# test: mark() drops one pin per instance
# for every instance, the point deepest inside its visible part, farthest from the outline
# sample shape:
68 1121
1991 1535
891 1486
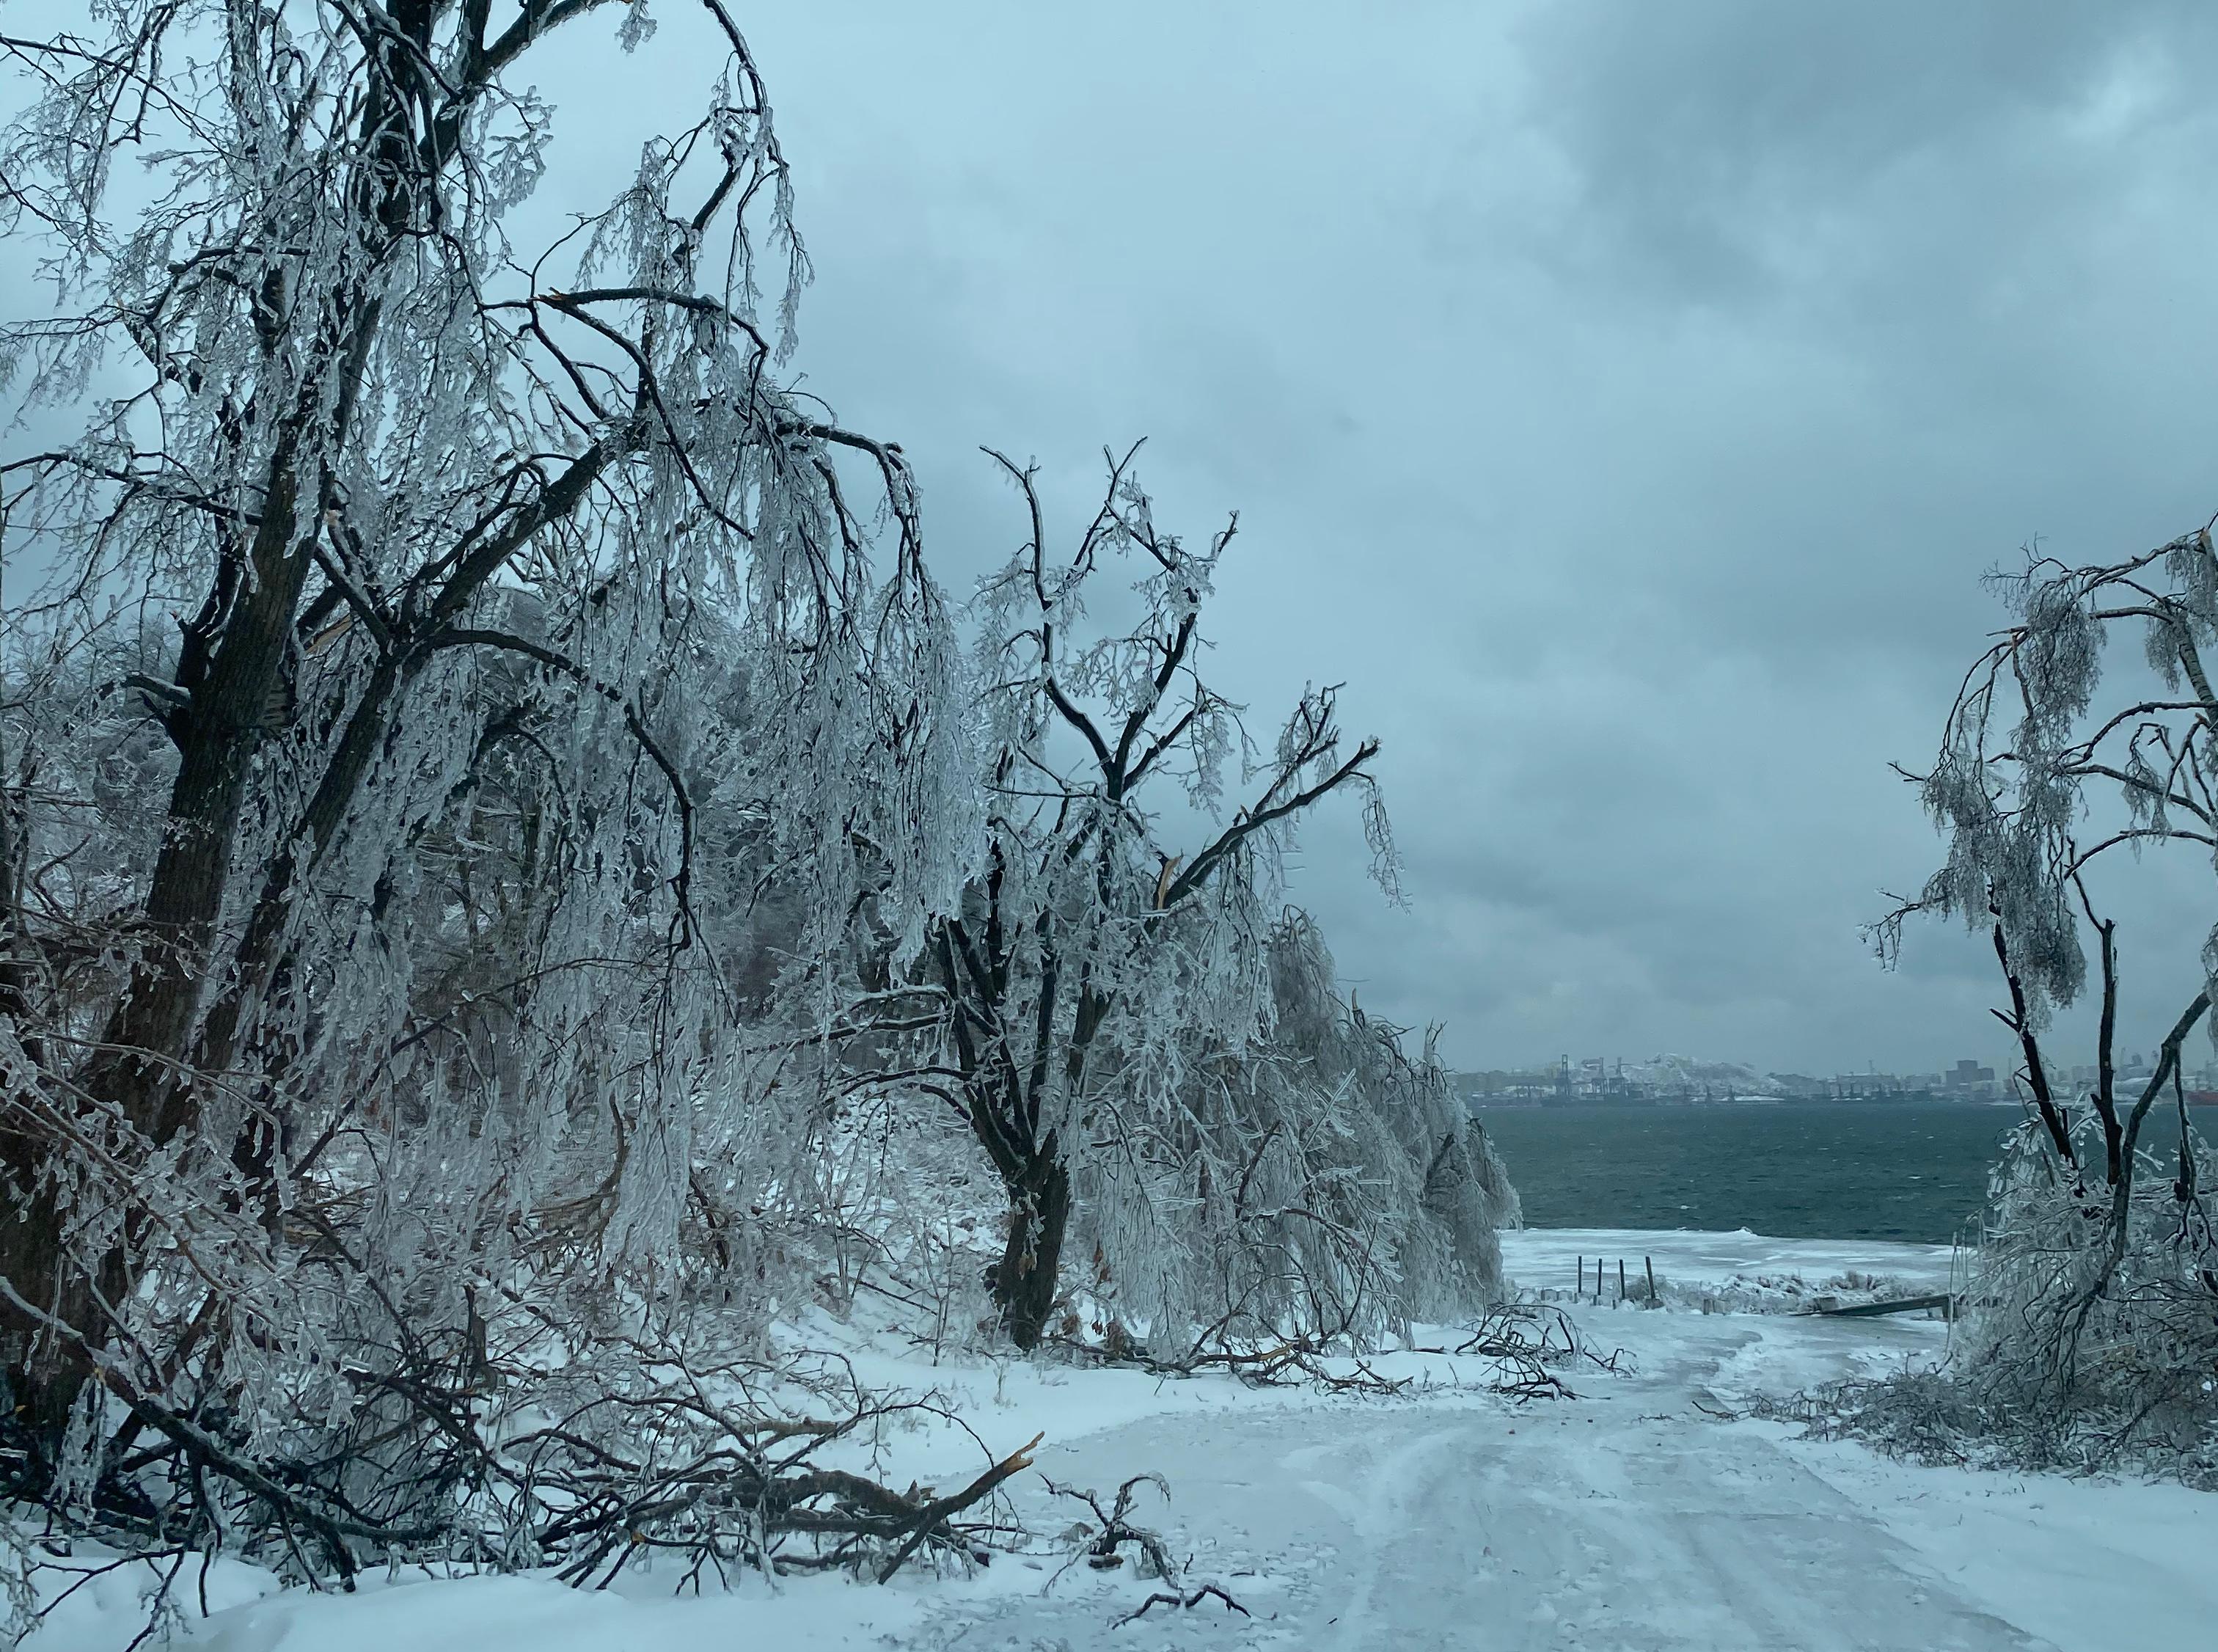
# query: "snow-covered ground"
1627 1518
1550 1257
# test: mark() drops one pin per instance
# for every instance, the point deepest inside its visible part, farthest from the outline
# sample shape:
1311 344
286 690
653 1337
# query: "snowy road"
1622 1520
1657 1537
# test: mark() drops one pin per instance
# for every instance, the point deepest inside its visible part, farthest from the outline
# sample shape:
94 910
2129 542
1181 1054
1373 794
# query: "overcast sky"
1623 400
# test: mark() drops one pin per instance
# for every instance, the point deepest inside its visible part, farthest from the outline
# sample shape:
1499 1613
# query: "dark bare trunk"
221 732
1025 1284
151 1029
44 1371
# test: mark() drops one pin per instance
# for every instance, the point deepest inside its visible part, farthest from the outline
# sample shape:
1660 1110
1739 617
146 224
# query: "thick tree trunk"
152 1027
1032 1262
43 1372
224 727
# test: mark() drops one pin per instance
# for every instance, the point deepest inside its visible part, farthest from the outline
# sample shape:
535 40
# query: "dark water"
1880 1170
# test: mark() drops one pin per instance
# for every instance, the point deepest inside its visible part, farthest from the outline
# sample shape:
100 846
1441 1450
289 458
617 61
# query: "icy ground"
1628 1518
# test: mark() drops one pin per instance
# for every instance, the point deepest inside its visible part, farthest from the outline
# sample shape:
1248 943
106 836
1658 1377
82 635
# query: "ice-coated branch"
2091 1307
480 761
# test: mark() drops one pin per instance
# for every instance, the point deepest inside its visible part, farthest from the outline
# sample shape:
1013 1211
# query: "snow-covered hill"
1668 1073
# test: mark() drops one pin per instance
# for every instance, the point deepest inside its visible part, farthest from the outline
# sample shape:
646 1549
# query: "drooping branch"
1267 814
681 877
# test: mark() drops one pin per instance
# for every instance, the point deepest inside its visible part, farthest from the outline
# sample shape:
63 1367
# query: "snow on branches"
2096 1295
490 792
1112 1004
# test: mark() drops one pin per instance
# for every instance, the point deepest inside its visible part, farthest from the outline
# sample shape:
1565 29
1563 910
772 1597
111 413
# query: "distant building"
1681 1081
1969 1081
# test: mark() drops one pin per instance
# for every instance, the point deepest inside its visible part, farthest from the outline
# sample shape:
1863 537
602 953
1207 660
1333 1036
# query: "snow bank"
1539 1258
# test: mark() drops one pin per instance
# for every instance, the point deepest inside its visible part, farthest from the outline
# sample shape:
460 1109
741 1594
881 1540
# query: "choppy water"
1880 1170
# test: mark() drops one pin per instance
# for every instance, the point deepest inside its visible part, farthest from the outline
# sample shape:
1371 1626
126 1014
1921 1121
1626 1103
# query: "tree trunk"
223 729
1024 1285
42 1372
152 1026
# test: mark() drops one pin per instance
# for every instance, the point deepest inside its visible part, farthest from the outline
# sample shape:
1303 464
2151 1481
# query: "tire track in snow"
1376 1516
1446 1522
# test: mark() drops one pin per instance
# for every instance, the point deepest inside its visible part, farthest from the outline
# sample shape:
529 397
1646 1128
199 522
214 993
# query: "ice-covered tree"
1109 997
2098 1277
443 632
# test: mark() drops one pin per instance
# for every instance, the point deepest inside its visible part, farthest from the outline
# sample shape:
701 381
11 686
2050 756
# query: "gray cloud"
1624 400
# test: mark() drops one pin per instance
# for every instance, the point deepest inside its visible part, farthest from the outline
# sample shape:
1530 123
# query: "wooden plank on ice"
1864 1310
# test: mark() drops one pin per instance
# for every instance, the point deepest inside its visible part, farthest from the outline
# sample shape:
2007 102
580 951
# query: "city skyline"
1967 1077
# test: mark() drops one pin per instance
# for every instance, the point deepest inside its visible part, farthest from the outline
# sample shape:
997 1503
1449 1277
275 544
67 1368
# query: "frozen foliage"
2086 1339
2092 1326
437 653
493 810
1149 1054
1371 1134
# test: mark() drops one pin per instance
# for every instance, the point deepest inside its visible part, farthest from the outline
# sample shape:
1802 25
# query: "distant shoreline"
1899 1098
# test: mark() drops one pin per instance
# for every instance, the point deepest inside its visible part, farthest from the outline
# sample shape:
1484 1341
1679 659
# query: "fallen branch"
1184 1603
936 1514
1524 1340
1906 1305
1115 1528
